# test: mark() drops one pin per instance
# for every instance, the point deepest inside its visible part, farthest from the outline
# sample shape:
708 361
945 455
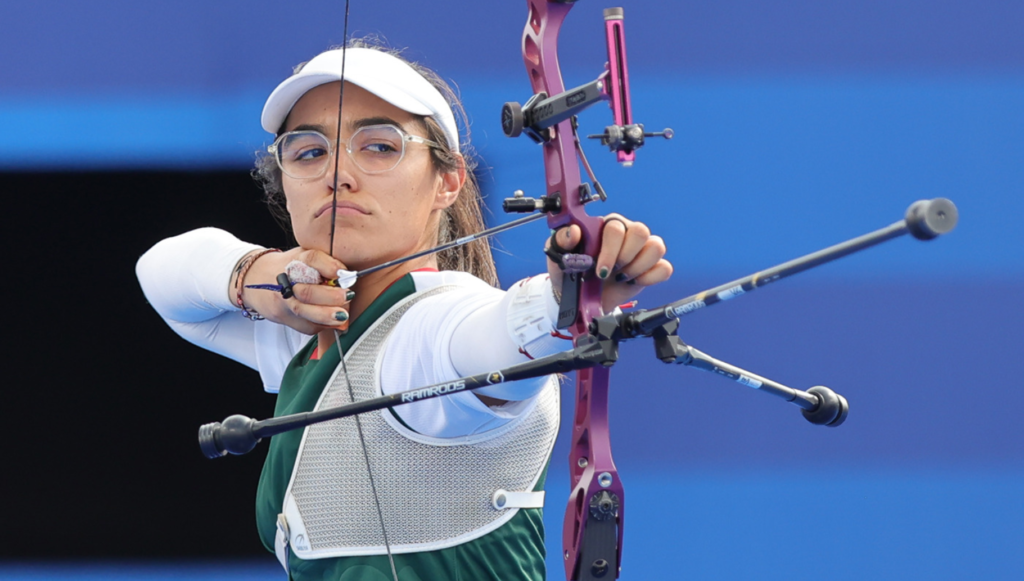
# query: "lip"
342 205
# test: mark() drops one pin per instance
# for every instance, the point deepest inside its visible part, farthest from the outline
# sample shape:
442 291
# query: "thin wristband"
243 269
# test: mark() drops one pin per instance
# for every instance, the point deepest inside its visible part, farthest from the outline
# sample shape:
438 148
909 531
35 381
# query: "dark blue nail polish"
350 295
620 277
603 274
341 316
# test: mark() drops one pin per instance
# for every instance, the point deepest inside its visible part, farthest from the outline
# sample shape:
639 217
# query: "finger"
635 242
324 263
322 295
324 316
648 256
613 234
661 272
568 237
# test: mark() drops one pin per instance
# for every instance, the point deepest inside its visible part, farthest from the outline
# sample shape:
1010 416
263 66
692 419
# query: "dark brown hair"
462 218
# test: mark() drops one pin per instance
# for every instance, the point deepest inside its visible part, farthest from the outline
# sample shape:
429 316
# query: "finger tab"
301 273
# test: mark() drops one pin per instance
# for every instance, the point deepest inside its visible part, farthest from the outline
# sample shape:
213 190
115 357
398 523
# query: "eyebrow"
309 127
367 121
354 125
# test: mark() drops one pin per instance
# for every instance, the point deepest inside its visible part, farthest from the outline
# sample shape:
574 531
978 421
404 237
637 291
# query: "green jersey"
515 550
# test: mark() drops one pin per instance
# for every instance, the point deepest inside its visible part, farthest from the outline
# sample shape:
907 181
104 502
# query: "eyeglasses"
374 149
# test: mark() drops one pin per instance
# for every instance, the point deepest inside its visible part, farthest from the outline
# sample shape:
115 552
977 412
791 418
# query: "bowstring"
337 335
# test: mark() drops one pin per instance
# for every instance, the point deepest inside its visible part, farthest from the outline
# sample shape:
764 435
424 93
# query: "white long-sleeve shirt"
472 329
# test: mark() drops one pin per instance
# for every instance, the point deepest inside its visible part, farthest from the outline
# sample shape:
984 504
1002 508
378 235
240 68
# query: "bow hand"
629 259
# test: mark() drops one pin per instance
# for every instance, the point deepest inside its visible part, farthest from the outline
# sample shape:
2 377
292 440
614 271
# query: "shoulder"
429 279
426 328
462 292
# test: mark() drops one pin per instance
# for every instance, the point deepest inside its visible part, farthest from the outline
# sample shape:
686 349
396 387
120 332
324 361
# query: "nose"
339 173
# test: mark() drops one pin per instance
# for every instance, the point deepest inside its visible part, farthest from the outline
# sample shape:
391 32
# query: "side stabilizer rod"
820 405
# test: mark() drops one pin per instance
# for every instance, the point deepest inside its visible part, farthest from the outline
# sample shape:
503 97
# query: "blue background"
798 124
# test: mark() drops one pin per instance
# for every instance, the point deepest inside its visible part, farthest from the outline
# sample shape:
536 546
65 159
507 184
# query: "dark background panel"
104 397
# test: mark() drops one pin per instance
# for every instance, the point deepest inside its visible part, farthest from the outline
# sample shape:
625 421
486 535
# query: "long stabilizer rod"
924 220
239 434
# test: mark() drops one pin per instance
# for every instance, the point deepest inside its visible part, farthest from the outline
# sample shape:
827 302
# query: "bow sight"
542 112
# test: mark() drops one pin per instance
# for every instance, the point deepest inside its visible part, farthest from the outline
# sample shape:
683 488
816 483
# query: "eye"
379 148
309 153
304 147
377 141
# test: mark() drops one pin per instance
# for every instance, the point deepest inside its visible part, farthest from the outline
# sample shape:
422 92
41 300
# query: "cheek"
289 204
423 192
296 204
294 200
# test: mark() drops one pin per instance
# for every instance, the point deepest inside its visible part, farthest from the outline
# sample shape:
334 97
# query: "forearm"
518 327
186 280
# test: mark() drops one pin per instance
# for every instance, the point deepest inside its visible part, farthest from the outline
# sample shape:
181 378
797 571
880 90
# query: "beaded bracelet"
242 269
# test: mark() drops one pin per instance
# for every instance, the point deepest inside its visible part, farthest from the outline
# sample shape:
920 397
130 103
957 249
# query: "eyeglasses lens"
303 154
378 148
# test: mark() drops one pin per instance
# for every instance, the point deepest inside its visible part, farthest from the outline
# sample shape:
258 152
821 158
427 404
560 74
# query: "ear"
450 186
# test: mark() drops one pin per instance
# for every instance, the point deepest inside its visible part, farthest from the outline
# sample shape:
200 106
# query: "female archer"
445 488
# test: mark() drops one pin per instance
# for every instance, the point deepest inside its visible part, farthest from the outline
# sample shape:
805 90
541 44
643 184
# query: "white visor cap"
380 73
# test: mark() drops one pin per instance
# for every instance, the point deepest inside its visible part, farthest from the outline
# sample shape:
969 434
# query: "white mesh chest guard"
434 493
